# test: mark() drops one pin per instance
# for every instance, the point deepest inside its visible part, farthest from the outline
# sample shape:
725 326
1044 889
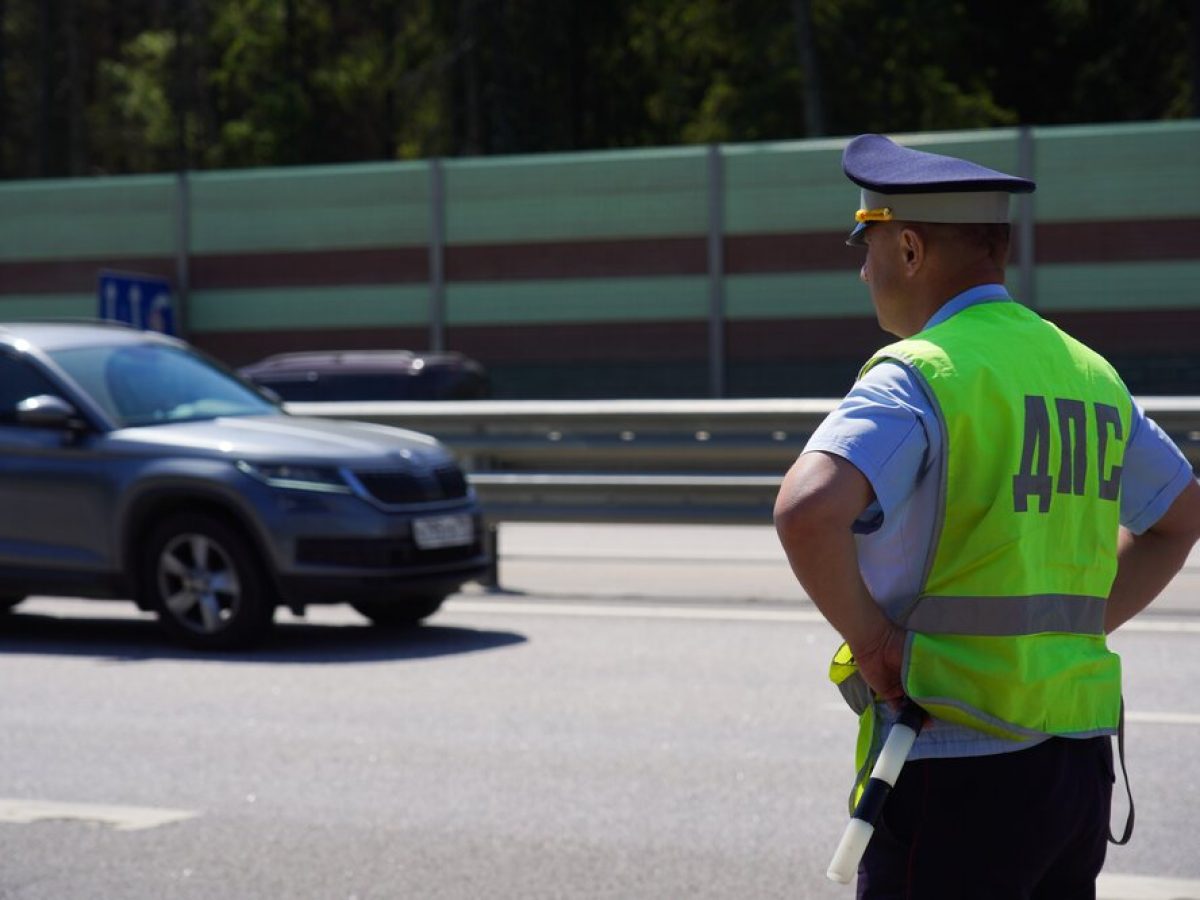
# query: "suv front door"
55 516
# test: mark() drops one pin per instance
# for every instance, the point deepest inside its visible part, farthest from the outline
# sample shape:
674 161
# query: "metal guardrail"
626 436
672 461
548 497
668 461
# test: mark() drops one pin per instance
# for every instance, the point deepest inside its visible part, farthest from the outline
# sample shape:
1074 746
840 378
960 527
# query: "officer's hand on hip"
879 660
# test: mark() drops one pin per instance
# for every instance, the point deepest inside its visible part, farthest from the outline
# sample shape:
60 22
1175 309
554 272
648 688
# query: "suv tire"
206 583
402 612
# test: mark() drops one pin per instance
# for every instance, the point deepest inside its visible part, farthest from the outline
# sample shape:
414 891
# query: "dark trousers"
1026 825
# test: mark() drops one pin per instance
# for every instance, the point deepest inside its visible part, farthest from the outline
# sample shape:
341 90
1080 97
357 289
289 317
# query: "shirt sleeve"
883 428
1155 471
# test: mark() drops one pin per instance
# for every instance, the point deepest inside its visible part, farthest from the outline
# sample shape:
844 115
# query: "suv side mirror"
48 411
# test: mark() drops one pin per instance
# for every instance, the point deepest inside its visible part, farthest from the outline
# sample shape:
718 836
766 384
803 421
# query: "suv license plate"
443 531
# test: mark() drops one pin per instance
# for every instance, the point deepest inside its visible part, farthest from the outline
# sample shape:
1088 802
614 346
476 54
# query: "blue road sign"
143 301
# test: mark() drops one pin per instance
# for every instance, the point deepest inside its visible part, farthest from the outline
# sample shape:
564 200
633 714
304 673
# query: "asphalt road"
641 713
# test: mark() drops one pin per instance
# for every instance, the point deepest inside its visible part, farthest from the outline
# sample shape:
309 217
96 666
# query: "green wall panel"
794 186
47 306
88 217
1131 286
332 207
1144 171
620 194
340 307
817 294
582 300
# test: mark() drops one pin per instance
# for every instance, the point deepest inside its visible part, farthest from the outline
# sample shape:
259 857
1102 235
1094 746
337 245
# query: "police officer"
984 506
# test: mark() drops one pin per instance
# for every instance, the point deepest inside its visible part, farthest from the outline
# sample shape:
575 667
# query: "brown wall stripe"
853 338
749 254
316 268
74 276
577 259
1074 242
1124 241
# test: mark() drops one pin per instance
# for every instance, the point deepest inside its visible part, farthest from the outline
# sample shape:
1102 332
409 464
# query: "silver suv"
132 466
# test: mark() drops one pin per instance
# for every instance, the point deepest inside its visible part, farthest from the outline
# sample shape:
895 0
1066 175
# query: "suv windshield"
149 384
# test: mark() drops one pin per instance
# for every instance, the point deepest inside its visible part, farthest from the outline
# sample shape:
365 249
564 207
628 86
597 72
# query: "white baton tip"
895 751
849 851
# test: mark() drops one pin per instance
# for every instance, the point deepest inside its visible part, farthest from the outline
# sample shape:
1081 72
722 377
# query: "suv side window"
19 381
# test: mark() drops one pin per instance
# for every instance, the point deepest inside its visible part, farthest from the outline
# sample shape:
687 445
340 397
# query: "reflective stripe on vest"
1011 616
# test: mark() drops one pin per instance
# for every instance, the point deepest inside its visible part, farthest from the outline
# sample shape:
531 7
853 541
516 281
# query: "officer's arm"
819 500
1147 562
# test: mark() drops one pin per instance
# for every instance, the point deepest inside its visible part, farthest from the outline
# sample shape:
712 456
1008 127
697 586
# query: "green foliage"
91 86
137 116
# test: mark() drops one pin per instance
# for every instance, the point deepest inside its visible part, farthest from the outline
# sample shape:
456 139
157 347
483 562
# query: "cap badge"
883 214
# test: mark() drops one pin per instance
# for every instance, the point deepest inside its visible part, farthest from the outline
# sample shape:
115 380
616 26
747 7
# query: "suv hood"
286 438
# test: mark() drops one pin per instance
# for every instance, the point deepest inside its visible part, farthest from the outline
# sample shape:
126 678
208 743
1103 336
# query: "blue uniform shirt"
888 430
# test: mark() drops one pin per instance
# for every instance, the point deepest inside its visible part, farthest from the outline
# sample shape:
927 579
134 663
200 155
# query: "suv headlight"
297 477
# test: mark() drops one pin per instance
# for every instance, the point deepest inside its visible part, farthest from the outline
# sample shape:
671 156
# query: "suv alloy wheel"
206 583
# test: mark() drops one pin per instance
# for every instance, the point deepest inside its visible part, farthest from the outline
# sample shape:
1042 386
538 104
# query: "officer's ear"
913 249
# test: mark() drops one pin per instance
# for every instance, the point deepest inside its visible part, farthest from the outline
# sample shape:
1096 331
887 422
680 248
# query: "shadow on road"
135 640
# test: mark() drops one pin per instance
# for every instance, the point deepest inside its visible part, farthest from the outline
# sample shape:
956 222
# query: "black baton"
883 778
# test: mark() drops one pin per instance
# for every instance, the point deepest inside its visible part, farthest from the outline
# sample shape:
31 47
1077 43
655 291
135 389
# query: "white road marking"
1146 887
1163 718
1151 623
623 611
618 610
122 818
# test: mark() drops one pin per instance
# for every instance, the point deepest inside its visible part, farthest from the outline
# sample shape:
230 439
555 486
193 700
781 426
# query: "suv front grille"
395 488
452 482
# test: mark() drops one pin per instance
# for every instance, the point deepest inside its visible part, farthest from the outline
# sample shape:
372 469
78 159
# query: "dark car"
329 376
132 466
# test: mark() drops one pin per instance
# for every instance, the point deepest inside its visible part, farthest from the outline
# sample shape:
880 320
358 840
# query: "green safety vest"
1007 632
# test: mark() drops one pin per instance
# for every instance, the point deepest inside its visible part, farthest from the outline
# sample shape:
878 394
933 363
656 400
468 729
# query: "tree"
109 86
